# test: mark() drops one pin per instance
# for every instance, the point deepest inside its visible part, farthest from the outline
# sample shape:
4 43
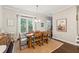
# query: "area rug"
46 48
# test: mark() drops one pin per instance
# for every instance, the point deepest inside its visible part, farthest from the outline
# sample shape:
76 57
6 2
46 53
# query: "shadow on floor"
10 48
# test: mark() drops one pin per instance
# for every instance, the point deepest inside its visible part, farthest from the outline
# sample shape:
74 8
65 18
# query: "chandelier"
37 16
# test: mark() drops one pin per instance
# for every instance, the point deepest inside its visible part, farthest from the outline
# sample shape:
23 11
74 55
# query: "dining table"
30 37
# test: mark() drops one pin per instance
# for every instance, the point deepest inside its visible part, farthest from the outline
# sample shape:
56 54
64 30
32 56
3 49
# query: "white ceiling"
43 9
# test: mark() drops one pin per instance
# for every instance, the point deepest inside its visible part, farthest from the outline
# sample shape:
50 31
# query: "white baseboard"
73 43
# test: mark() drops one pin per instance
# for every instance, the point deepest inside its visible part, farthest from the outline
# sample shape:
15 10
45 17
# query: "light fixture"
37 18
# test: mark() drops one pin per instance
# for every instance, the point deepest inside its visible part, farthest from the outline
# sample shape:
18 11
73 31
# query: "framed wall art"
42 24
10 22
62 25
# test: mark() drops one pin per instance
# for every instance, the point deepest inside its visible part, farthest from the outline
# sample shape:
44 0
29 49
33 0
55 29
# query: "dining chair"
36 35
45 37
38 38
22 40
41 38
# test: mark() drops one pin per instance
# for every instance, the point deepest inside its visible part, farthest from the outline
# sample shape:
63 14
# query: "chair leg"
47 41
33 46
20 47
41 42
38 43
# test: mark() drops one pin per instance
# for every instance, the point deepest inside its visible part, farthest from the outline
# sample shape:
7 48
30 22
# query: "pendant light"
37 17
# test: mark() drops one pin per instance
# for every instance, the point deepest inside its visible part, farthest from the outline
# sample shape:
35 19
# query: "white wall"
78 18
10 14
1 19
38 26
71 34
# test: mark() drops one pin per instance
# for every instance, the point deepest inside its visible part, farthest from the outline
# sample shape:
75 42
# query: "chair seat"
23 43
37 40
23 39
45 38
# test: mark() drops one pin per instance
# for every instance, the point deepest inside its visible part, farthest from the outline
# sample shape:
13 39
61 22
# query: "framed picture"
10 22
42 24
62 25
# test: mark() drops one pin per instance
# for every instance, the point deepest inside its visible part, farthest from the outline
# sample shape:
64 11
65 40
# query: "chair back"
45 35
38 35
22 40
22 35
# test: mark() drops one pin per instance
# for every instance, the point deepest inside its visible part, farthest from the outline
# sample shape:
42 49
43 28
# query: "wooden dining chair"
45 37
41 38
37 36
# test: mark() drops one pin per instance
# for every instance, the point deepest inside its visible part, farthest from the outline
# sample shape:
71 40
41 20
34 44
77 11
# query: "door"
30 25
23 25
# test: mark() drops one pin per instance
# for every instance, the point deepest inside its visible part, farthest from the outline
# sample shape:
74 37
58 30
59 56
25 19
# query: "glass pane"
23 25
30 27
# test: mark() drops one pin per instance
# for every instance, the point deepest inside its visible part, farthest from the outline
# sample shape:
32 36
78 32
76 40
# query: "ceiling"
43 9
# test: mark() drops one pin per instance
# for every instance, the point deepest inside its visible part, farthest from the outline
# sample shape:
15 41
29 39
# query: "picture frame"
62 25
10 22
42 24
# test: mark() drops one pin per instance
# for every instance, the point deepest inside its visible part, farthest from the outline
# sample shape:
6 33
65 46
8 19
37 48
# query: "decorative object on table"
62 25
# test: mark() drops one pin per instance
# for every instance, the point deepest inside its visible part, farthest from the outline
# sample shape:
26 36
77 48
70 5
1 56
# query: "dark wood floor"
67 48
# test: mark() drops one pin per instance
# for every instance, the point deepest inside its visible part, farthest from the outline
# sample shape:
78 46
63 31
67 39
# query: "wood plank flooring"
64 48
67 48
46 48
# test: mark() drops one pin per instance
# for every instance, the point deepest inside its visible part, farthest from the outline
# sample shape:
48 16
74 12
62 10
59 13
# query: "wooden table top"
1 37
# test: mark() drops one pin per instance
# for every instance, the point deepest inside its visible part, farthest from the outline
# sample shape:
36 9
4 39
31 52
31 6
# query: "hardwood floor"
67 48
46 48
